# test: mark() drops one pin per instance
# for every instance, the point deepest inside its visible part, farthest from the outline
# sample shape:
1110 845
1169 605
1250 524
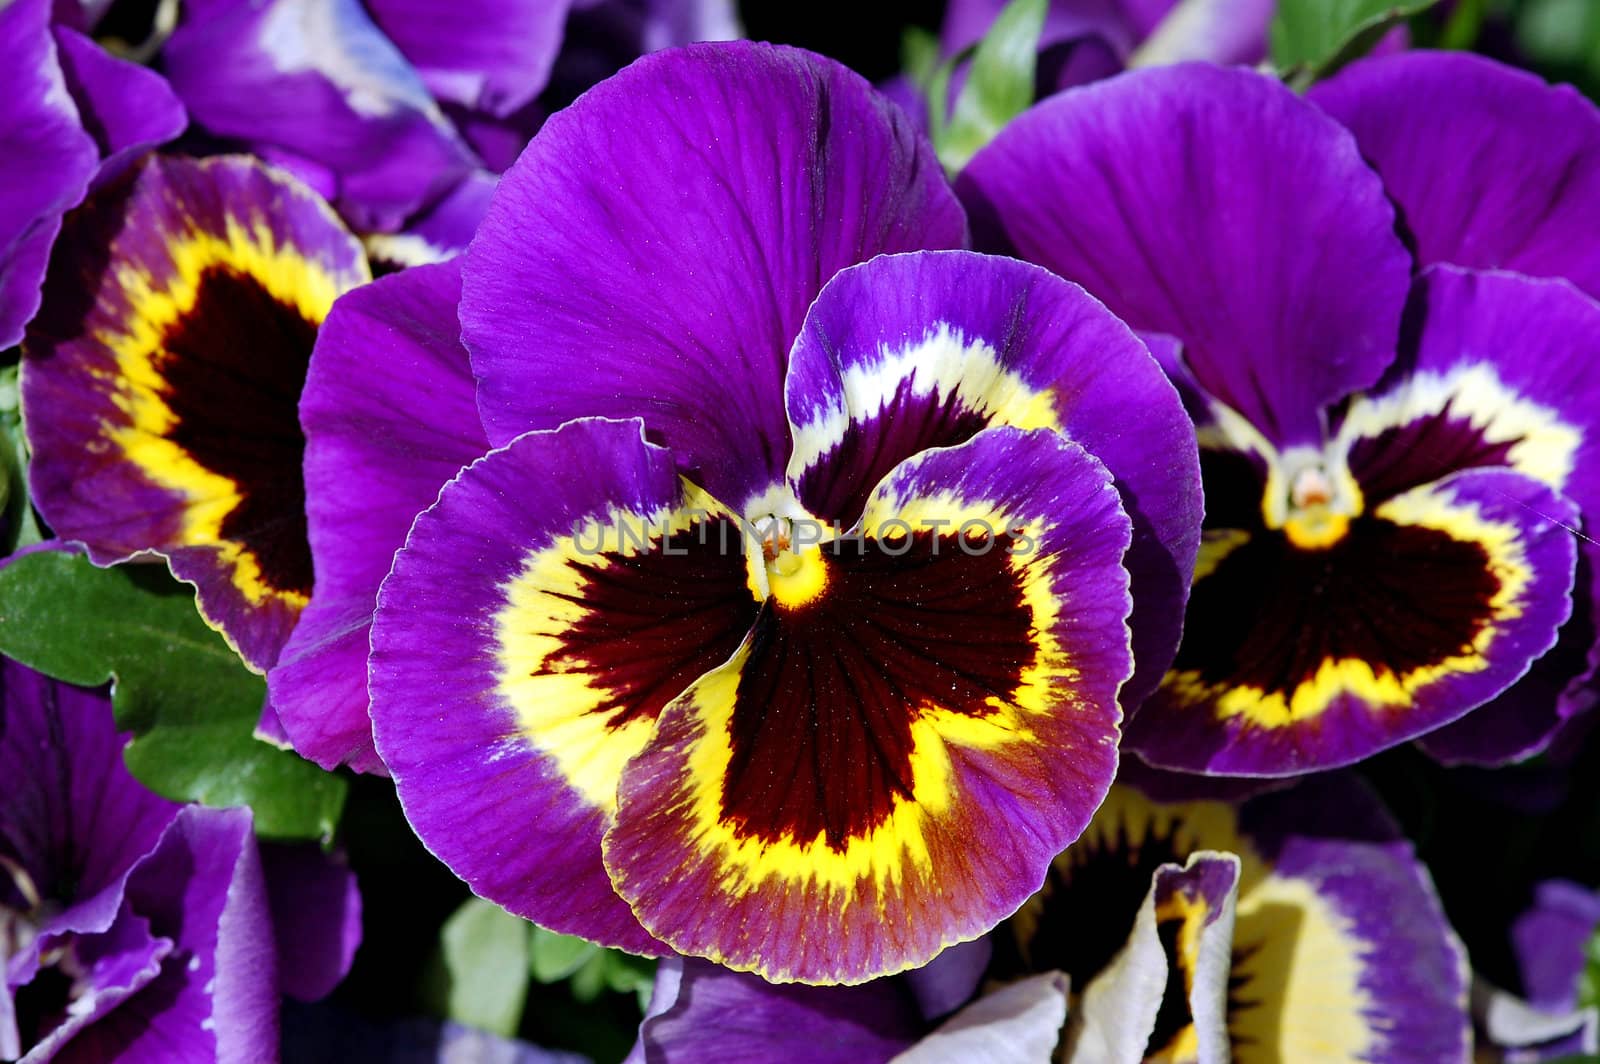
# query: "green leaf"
189 701
21 527
482 978
1313 38
1562 33
554 957
1589 978
919 55
628 974
999 84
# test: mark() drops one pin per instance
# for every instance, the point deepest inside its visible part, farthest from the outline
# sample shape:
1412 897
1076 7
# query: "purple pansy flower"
400 112
1296 926
780 742
74 117
161 377
133 928
1395 466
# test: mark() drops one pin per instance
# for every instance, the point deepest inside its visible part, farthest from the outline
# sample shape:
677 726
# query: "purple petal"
378 447
1217 207
160 379
951 978
809 809
559 593
659 242
71 816
441 232
487 56
1550 938
127 108
742 1019
115 964
316 917
1490 167
217 993
914 351
49 159
318 81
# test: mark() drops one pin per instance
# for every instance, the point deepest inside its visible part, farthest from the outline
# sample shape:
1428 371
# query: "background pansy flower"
1390 511
562 663
74 115
161 377
400 112
1550 941
132 927
1296 926
1528 202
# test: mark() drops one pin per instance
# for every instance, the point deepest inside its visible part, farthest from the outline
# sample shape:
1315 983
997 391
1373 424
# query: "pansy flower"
1395 470
1295 927
161 378
133 928
74 116
788 580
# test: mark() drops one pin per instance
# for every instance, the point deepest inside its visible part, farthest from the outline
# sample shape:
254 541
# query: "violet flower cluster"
942 617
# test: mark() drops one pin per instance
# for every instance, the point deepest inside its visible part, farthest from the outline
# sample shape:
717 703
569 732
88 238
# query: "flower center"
1316 510
795 571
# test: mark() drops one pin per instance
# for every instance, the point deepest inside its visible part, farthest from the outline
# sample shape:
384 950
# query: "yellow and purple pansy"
786 621
1396 410
162 375
1295 926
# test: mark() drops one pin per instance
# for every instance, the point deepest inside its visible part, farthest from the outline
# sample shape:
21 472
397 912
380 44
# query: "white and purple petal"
908 352
315 81
488 56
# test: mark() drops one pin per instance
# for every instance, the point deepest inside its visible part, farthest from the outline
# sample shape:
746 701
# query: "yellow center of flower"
796 573
1319 507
